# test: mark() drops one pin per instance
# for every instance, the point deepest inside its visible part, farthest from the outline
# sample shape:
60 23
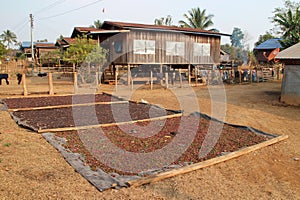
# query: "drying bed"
232 141
136 129
31 102
88 115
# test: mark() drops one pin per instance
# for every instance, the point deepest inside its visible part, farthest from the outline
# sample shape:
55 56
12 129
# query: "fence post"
75 83
50 81
24 84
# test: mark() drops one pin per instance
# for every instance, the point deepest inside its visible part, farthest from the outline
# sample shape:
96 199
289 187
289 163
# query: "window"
175 49
144 47
118 46
201 49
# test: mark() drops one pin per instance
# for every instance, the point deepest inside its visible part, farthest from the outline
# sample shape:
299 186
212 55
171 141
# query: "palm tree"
97 24
164 21
197 19
9 38
289 24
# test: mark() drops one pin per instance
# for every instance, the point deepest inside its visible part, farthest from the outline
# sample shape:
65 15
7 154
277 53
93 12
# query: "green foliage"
51 57
164 21
235 53
197 19
3 51
20 55
237 37
44 40
77 52
7 144
85 51
97 56
97 24
263 38
287 19
8 38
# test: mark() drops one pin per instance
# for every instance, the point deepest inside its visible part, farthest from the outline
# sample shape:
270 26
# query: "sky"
53 18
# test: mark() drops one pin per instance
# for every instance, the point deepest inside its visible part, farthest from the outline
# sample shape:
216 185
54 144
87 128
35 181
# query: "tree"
288 21
164 21
237 37
83 50
197 19
3 51
9 38
234 52
50 57
44 40
263 38
97 24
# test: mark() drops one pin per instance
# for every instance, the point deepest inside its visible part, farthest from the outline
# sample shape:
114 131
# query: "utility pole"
31 40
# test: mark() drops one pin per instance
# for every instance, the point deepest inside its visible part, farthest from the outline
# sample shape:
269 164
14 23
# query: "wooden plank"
107 125
207 163
66 106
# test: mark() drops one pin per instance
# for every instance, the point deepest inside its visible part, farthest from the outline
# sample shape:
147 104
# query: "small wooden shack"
290 92
263 50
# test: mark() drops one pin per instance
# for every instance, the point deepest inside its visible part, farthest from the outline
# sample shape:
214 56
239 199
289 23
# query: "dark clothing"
4 76
19 77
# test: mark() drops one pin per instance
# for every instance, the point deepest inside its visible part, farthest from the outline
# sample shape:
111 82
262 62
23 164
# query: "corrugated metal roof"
26 44
269 44
45 45
85 29
292 52
124 25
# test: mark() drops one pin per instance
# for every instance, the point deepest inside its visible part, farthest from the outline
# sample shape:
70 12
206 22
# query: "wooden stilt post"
180 78
116 78
50 81
161 72
196 75
151 80
75 83
128 75
24 84
189 74
167 80
251 73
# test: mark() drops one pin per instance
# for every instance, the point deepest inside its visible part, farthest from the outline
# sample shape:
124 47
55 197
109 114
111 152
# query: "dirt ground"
30 168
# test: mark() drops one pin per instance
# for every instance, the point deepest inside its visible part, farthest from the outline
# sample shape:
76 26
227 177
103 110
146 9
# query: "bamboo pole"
24 84
207 163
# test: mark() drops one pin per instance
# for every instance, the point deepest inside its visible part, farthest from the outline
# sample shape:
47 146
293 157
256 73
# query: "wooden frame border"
207 163
66 106
107 125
